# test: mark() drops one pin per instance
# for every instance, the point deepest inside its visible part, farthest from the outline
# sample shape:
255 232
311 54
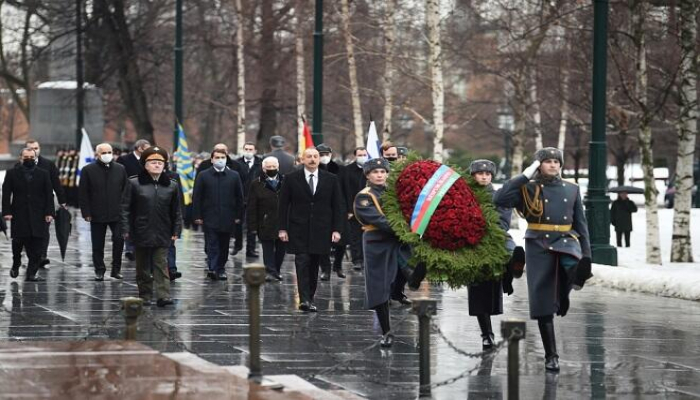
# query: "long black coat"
131 164
218 199
285 159
621 214
29 202
251 174
50 167
151 211
263 208
101 189
353 180
310 220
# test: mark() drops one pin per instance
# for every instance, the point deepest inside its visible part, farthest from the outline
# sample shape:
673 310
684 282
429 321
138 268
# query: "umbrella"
63 229
3 226
626 189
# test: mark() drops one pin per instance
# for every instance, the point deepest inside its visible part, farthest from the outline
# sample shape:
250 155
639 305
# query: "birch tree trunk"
352 71
437 84
519 106
240 83
389 68
681 247
639 14
301 77
536 112
564 108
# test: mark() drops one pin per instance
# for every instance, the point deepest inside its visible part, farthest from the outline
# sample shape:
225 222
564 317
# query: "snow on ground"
680 280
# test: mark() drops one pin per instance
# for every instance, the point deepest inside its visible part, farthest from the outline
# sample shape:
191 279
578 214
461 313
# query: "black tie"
311 183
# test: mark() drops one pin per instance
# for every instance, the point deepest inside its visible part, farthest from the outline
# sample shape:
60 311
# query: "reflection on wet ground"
612 343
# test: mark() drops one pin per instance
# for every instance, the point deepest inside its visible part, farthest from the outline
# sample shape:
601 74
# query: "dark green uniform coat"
548 291
379 244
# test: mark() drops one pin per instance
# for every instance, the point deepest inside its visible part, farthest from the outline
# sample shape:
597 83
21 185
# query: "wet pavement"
612 343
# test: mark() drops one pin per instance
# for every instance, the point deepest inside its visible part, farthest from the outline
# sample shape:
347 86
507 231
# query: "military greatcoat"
379 244
557 229
487 297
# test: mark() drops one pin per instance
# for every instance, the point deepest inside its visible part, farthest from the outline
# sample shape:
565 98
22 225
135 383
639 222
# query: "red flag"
308 141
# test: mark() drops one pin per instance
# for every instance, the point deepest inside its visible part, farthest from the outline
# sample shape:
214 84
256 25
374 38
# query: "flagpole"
318 75
178 71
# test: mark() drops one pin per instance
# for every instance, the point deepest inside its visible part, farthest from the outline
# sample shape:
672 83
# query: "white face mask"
325 159
219 163
248 155
361 160
106 158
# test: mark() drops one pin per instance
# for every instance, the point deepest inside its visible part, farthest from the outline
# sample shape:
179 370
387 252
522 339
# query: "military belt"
549 227
369 228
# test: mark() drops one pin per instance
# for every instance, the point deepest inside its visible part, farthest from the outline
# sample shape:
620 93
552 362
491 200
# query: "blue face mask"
219 163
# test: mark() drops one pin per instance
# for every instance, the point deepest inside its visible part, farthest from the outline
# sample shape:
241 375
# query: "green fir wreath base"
458 268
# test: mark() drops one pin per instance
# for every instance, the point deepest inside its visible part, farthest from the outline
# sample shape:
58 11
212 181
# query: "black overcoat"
251 173
218 199
29 202
621 214
131 164
309 219
49 166
101 189
353 180
263 208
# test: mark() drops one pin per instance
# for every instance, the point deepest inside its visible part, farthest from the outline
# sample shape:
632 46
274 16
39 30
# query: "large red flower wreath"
458 220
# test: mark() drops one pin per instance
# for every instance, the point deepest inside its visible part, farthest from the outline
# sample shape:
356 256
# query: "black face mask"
391 159
271 173
28 163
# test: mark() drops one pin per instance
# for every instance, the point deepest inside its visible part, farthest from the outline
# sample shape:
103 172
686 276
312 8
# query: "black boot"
549 342
382 311
415 276
487 337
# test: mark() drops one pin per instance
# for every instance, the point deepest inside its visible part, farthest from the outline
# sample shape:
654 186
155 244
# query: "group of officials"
311 210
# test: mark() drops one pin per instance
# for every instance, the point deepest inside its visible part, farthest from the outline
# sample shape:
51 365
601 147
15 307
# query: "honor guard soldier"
486 298
381 247
557 247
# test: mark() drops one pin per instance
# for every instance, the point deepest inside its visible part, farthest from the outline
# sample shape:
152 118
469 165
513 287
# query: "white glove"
530 171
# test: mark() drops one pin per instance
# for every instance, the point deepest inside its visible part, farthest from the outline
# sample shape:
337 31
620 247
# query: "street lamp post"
597 201
317 128
79 80
505 124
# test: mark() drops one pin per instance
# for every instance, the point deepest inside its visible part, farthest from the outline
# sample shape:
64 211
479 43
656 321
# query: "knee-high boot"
549 342
383 316
487 336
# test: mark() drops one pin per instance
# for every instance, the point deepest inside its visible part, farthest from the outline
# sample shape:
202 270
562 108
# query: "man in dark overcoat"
27 201
132 164
262 214
353 180
49 166
310 220
285 159
486 298
252 168
557 247
621 217
338 249
103 183
218 206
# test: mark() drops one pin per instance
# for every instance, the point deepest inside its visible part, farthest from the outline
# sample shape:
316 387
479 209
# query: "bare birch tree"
437 85
682 248
389 23
301 77
352 72
536 111
640 12
240 85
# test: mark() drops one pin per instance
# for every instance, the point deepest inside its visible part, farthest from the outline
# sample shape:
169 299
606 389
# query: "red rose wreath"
462 243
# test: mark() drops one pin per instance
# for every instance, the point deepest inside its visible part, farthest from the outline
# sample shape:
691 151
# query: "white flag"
87 154
373 145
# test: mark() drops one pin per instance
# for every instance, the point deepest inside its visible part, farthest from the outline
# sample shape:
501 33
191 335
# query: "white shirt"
308 173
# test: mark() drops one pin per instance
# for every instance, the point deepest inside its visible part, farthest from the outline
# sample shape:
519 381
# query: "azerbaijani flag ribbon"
430 197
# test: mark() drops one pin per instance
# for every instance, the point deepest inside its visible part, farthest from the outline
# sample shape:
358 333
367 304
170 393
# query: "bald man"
102 185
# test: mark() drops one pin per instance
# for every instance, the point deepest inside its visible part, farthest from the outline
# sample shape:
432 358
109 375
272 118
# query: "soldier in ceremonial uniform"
381 247
558 251
486 298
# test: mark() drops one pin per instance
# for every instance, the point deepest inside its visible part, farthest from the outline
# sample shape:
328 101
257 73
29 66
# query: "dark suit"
310 221
353 180
131 164
252 172
27 195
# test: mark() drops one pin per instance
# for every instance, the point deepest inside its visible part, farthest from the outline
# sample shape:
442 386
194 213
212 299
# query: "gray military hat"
375 163
324 148
277 141
402 151
482 166
549 153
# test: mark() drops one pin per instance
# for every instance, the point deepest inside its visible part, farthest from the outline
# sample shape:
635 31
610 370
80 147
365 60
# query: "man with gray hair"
27 202
262 215
102 186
